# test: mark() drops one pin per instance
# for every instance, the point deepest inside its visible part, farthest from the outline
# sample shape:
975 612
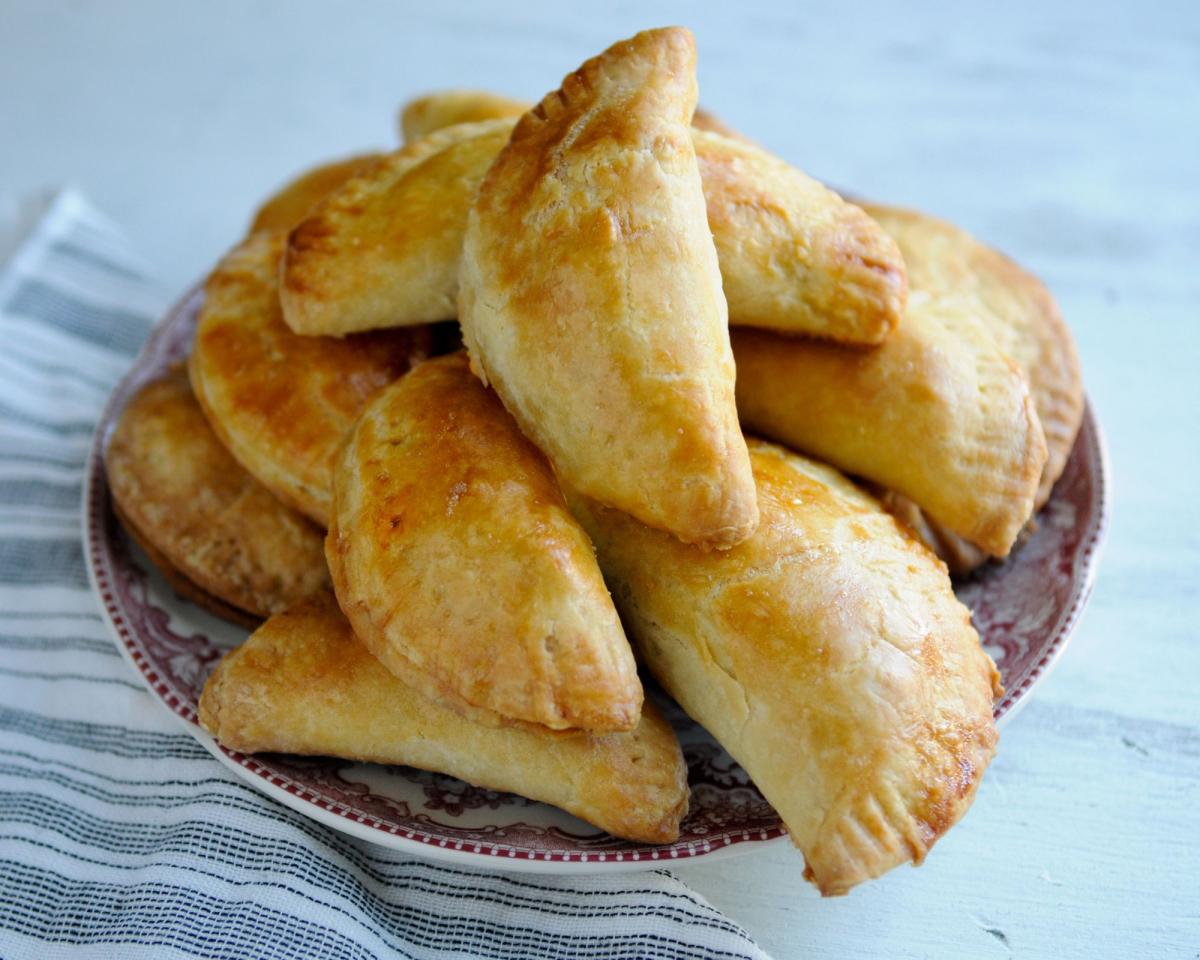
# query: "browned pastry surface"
383 250
456 560
293 201
828 655
304 684
198 513
281 402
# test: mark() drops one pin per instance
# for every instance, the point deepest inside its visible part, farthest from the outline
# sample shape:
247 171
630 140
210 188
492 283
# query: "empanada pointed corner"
590 294
456 560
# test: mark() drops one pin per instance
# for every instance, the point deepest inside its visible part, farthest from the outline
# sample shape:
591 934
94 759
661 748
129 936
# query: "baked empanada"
1012 306
936 413
294 200
203 519
456 560
448 108
827 654
591 298
304 684
281 402
383 250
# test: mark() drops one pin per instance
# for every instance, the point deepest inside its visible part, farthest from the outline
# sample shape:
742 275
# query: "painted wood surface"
1066 134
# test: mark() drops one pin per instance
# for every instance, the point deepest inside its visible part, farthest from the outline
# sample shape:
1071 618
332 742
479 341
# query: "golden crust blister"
456 560
303 683
936 413
591 297
281 402
828 655
204 520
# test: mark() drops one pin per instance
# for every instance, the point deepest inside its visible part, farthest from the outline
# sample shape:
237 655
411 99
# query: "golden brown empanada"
294 200
1013 307
794 256
936 413
827 654
448 108
304 684
281 402
456 560
204 521
383 250
591 298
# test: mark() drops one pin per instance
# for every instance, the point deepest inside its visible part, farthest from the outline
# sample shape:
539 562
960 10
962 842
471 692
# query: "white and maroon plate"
1024 609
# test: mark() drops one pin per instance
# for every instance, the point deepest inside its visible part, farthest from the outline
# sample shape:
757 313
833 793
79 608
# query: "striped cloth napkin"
120 835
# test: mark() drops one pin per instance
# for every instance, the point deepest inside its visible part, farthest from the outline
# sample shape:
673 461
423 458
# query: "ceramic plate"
1024 609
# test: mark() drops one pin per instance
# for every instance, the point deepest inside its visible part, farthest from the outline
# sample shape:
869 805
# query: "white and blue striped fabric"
119 835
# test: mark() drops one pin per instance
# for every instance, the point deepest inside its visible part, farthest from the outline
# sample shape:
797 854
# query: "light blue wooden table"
1069 137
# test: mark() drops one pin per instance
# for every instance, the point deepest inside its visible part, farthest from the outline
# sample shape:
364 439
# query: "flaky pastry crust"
590 295
181 495
456 560
827 654
304 684
281 402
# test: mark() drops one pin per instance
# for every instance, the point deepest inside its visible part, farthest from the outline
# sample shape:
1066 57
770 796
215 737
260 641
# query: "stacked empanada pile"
515 527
